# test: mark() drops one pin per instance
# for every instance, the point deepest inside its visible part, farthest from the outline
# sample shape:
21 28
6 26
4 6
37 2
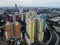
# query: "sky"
31 3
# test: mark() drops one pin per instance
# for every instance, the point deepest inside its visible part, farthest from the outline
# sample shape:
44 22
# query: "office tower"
20 9
16 6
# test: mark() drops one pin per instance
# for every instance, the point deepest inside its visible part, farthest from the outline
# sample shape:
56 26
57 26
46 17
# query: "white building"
20 9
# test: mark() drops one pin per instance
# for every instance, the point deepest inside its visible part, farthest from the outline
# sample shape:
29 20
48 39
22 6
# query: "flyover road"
54 36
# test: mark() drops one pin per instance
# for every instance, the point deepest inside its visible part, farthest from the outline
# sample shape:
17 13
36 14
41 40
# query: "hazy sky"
48 3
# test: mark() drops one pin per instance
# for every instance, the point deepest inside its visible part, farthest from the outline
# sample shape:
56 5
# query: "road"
54 37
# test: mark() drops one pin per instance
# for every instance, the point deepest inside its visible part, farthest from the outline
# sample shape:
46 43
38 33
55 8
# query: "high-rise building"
29 14
30 29
13 31
8 32
35 26
20 9
16 6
